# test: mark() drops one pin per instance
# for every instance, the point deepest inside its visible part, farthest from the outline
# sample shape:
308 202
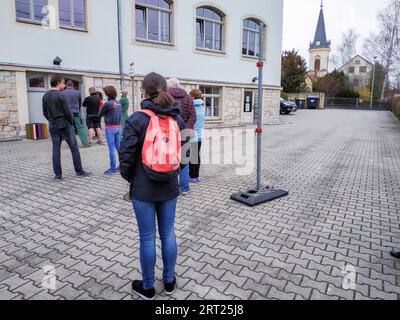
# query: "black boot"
395 254
137 287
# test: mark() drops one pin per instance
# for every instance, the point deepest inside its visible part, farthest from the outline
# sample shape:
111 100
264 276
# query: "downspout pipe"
120 55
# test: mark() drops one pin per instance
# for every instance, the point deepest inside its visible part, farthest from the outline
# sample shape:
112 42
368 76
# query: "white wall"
30 44
97 50
183 62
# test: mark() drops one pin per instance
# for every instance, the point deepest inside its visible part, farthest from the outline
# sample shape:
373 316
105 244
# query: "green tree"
294 72
379 80
335 84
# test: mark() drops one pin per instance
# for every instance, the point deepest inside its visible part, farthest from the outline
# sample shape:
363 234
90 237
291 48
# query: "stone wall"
231 104
100 83
9 124
304 96
271 106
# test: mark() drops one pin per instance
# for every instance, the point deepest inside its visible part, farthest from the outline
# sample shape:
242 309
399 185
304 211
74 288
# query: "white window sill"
210 51
74 29
167 44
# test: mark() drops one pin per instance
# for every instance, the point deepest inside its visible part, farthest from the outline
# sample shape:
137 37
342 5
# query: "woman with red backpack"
150 159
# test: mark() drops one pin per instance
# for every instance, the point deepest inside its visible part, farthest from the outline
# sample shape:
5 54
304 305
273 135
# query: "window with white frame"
153 20
251 38
363 69
212 101
72 14
31 10
209 29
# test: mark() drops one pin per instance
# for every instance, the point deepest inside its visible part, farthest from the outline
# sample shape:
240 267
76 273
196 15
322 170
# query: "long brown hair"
155 87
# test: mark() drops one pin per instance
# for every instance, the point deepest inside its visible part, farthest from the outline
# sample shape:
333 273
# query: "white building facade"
208 44
359 70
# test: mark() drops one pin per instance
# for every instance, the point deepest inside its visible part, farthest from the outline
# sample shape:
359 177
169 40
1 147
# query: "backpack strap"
148 112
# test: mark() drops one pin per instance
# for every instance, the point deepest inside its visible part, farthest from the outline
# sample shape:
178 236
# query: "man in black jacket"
56 110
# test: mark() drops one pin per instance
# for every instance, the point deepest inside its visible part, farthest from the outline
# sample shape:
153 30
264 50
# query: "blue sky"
301 16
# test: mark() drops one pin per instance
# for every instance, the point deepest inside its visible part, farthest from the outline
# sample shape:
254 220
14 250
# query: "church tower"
320 48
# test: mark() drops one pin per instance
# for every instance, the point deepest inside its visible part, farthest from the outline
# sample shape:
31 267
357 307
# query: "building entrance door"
248 108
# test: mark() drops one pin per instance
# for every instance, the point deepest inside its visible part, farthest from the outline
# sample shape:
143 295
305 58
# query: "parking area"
329 239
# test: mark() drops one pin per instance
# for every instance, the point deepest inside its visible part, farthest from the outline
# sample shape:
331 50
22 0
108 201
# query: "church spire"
320 39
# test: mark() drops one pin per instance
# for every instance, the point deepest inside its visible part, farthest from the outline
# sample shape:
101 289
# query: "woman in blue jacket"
195 161
151 199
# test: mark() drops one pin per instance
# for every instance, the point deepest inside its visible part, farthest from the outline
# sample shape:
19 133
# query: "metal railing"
354 103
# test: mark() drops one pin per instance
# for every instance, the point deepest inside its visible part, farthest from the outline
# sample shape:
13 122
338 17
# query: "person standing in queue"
75 102
154 186
187 111
92 104
112 118
125 107
57 111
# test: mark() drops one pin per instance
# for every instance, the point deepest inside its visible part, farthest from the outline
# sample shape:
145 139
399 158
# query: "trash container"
37 131
301 103
313 102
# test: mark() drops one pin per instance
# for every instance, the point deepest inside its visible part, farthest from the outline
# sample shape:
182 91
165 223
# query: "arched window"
317 64
251 38
209 29
153 20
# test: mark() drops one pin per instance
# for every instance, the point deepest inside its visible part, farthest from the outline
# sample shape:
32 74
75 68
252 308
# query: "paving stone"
305 293
378 294
340 211
280 295
5 294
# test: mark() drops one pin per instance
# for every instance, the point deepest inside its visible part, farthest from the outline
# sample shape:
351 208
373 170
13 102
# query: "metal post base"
253 198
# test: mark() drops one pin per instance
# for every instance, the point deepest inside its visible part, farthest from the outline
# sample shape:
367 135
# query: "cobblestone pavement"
342 169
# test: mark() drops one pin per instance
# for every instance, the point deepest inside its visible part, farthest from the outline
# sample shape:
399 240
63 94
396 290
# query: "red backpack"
161 152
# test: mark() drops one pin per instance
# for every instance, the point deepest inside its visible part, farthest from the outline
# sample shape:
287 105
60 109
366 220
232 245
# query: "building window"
212 99
209 29
37 82
363 69
251 38
153 20
31 10
317 64
351 69
72 13
357 62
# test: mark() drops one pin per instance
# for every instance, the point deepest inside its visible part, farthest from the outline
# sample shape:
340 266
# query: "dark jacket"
74 100
112 113
55 106
130 156
186 105
92 104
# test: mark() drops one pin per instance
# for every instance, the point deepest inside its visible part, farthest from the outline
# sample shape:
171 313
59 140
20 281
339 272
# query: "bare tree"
347 48
385 44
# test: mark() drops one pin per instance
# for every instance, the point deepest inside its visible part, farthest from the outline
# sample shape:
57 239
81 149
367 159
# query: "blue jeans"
146 213
113 137
184 179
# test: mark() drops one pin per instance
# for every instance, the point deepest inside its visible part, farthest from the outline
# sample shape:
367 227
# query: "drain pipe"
121 68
